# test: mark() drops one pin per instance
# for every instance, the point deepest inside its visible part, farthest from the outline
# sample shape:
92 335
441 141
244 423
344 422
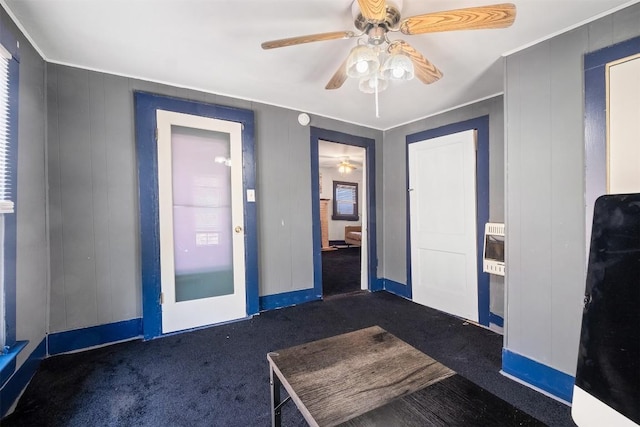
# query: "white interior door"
623 114
442 203
200 204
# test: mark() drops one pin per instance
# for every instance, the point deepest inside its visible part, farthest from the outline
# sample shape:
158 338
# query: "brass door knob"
238 229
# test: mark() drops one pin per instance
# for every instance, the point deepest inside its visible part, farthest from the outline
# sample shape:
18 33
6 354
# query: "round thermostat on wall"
304 119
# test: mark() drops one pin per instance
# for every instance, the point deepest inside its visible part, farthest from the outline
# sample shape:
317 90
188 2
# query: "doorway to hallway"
336 197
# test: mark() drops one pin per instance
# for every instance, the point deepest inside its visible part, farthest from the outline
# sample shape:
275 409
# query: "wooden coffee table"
336 379
371 378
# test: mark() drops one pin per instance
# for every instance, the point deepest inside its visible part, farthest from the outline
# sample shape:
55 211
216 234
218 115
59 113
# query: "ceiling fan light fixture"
398 67
362 62
369 84
345 167
375 19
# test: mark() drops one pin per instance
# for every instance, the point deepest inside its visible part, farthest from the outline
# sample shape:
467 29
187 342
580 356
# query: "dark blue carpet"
341 271
219 376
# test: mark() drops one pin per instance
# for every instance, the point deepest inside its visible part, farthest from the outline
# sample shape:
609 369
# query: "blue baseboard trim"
12 389
286 299
377 285
396 288
78 339
496 320
538 375
8 361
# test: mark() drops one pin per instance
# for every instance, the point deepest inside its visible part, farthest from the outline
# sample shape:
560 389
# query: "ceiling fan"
346 167
375 19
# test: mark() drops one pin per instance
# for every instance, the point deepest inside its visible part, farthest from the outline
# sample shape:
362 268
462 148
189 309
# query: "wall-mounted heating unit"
493 255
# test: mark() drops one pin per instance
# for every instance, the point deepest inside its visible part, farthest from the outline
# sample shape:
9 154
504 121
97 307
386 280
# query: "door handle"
238 229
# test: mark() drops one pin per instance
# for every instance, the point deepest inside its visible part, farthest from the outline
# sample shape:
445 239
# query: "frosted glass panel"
201 179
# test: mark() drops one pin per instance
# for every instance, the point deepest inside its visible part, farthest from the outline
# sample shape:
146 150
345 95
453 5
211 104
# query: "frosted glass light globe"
398 73
397 67
362 62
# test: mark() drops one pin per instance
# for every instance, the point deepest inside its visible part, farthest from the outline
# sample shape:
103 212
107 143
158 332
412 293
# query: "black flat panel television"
607 386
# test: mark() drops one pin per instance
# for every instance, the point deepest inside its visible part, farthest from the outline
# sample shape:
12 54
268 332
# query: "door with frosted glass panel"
201 221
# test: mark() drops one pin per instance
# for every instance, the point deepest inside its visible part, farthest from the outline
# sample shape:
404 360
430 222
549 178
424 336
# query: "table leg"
276 404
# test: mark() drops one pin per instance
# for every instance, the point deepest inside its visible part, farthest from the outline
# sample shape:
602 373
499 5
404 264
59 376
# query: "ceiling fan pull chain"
377 108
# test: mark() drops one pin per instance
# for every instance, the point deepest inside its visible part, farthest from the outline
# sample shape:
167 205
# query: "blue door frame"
368 144
146 105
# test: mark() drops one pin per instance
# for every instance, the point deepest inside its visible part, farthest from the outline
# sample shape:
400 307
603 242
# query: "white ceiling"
330 154
214 46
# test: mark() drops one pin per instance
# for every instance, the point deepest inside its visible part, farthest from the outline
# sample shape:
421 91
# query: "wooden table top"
336 379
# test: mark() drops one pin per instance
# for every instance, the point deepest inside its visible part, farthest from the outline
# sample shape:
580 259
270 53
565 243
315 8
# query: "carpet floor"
219 376
341 271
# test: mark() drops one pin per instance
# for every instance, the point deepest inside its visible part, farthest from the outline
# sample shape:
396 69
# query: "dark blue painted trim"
146 105
252 277
370 147
377 285
286 299
78 339
8 361
12 389
396 288
496 320
611 53
541 376
481 124
10 226
149 217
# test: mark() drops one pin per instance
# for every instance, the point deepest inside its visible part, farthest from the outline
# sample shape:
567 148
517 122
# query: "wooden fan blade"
308 39
373 10
425 70
338 78
472 18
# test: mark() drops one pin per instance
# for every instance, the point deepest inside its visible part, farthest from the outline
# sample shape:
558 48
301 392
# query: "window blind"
6 204
346 199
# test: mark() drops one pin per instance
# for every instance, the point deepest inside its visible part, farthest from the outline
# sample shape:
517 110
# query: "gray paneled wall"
284 208
94 236
545 211
95 275
394 259
31 256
